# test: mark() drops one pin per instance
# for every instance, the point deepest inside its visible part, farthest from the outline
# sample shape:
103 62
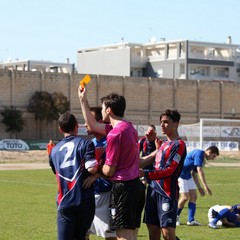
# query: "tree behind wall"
47 107
13 121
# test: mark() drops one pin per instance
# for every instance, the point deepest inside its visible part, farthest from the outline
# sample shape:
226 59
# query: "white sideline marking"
30 183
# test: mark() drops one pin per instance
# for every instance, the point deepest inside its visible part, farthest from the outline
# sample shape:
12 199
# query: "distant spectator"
50 146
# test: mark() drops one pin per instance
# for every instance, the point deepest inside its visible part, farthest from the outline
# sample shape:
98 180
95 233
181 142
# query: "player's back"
68 158
193 159
69 153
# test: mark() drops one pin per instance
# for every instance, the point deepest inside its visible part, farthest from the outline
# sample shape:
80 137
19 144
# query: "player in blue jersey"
100 225
228 216
73 160
162 196
188 181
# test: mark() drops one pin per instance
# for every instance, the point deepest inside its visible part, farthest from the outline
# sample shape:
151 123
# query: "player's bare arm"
93 169
203 180
87 115
108 171
199 187
90 180
146 160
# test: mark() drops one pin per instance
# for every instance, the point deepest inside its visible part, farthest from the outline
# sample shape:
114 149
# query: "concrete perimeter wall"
146 98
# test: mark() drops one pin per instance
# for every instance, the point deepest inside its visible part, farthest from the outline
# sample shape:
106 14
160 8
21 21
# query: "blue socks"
179 211
191 211
221 214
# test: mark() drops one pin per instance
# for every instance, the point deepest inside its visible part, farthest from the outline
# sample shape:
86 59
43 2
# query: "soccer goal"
223 133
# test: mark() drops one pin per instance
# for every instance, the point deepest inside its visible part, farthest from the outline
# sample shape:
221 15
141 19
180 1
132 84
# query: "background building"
180 59
33 65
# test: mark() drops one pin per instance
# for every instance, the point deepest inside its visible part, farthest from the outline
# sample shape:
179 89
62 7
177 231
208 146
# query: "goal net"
223 133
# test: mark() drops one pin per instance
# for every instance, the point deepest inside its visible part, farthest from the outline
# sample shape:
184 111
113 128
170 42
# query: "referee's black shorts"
127 203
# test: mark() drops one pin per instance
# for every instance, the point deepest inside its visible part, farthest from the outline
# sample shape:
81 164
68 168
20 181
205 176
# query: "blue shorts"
74 222
127 203
160 210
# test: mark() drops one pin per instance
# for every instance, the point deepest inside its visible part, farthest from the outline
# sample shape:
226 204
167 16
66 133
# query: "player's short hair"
152 126
173 114
116 102
98 113
67 122
213 149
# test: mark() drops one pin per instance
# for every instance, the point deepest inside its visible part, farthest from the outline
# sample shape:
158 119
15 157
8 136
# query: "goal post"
224 133
227 130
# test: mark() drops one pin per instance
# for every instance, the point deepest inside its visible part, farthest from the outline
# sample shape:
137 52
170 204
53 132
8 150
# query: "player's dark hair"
67 122
213 149
116 102
152 126
173 114
98 112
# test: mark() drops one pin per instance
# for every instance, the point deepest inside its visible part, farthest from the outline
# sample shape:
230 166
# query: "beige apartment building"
179 59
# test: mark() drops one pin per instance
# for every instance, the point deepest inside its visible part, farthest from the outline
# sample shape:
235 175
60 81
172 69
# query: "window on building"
160 73
181 50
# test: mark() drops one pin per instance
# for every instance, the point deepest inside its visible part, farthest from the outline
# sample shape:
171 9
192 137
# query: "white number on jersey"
67 162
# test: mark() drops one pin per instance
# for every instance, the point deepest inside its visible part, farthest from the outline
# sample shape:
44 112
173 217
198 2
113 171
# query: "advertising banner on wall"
222 145
194 131
20 145
223 133
37 145
13 144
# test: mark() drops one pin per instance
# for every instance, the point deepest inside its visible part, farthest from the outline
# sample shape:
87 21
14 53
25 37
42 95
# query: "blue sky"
54 29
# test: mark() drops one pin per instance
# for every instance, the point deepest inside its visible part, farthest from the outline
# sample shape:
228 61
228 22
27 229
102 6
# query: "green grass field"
28 210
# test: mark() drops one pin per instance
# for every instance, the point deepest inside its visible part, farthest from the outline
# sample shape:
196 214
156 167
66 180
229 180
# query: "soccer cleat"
212 225
178 221
194 223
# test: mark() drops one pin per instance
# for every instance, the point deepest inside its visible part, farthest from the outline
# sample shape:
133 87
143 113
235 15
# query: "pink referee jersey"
122 151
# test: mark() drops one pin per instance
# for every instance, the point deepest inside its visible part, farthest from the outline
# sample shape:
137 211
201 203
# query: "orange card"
85 80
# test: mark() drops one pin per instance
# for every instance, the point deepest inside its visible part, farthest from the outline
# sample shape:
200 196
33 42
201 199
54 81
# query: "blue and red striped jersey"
70 159
101 184
168 166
